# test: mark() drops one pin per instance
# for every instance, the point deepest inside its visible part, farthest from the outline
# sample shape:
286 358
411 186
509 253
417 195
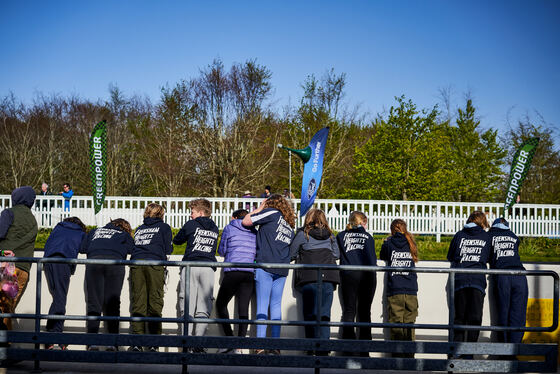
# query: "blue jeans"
269 294
310 298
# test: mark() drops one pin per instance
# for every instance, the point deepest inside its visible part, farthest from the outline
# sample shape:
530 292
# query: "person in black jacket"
470 249
314 243
400 251
201 235
103 283
511 290
357 247
152 241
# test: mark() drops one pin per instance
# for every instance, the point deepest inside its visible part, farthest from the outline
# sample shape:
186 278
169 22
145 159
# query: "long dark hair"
399 225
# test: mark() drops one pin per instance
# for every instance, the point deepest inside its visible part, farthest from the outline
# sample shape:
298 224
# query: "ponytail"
356 219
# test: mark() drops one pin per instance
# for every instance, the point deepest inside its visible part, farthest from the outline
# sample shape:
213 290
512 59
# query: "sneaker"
112 348
49 347
93 348
260 352
154 349
274 352
237 351
63 347
224 350
135 348
198 350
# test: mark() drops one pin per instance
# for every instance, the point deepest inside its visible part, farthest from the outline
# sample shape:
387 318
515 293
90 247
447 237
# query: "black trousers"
58 280
468 311
103 295
358 289
240 284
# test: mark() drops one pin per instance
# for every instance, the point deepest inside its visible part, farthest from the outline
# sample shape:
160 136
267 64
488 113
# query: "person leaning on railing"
18 231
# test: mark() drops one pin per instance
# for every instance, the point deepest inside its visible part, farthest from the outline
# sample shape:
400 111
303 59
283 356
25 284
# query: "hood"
70 225
237 224
472 229
205 222
152 220
399 240
320 234
357 229
23 196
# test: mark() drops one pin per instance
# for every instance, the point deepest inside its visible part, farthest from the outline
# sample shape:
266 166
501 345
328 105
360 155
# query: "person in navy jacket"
400 251
64 241
152 241
104 283
201 235
357 287
470 249
511 290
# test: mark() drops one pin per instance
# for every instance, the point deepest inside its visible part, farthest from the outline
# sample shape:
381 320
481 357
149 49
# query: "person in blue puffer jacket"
470 249
238 244
64 241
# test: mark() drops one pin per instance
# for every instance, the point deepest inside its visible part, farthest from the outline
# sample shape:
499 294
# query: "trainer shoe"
135 348
154 349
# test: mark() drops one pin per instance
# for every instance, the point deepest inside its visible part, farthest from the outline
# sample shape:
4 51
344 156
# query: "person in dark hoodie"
314 243
152 241
357 247
511 290
470 249
18 231
64 241
103 283
399 250
238 244
201 235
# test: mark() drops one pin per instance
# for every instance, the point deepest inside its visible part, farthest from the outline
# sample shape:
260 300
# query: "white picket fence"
423 217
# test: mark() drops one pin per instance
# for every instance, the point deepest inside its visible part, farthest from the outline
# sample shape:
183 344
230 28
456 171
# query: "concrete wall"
432 298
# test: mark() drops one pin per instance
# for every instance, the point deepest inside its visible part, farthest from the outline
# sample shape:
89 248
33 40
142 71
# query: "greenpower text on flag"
98 164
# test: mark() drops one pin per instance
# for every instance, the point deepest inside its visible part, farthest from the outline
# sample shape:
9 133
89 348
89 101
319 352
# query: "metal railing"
422 217
185 358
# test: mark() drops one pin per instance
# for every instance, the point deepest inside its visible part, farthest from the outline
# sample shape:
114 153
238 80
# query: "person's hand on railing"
7 253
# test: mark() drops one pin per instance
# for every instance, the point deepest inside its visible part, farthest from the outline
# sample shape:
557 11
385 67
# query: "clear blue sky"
506 53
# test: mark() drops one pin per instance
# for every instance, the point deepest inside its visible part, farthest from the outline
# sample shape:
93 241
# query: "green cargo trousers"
146 296
402 309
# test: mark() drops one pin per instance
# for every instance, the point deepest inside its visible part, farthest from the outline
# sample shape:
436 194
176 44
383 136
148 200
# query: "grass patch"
530 249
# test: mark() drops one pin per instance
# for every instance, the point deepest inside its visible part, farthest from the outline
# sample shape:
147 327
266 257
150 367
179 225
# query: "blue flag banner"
313 170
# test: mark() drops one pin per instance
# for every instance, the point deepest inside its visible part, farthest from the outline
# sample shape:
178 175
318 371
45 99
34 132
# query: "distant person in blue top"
67 193
470 249
64 241
357 287
201 235
399 250
152 241
103 283
275 219
238 244
511 290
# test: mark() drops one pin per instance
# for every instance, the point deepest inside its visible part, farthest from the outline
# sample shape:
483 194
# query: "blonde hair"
154 210
399 225
315 219
202 205
279 202
356 219
478 217
122 224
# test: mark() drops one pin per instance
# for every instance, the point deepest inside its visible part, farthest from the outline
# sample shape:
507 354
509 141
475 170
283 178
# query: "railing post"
37 364
451 307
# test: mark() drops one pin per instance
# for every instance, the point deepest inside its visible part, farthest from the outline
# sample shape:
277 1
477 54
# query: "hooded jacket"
470 249
357 247
238 244
505 249
201 235
319 248
18 227
65 240
395 251
107 242
152 240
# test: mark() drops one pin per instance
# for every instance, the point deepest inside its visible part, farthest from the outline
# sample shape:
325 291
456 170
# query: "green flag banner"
98 164
519 168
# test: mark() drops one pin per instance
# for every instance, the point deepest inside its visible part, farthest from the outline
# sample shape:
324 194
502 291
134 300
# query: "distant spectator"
287 194
247 194
67 194
266 194
248 206
45 190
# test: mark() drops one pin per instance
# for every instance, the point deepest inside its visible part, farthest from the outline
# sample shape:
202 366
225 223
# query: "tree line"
216 134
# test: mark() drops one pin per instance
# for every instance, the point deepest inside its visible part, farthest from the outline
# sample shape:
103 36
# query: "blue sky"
506 53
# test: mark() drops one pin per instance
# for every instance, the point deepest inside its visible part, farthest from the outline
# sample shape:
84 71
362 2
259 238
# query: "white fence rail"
423 217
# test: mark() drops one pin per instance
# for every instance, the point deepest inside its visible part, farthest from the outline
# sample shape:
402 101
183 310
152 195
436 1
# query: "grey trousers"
201 290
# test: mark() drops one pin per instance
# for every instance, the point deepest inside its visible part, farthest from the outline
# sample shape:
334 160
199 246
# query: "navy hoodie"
470 248
505 249
396 252
357 247
107 242
65 240
152 240
201 235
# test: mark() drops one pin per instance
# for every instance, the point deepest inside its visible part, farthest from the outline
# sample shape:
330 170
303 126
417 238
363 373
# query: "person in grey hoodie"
314 243
238 244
